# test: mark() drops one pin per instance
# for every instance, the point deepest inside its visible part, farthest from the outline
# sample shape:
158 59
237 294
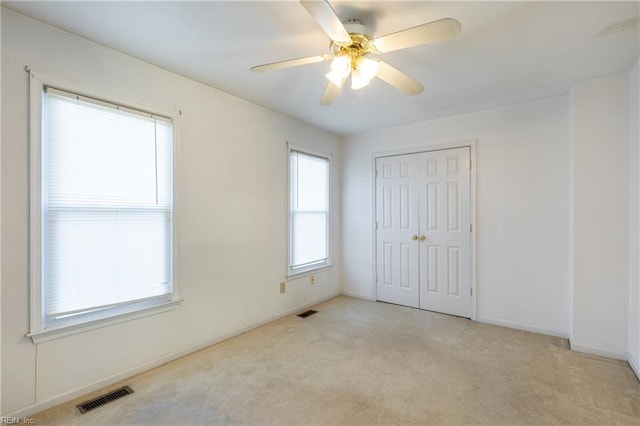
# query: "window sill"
307 272
68 329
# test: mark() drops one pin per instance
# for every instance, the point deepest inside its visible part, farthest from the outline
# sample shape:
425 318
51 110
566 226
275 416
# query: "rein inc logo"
17 421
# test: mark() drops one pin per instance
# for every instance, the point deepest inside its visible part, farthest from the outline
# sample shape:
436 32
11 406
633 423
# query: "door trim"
472 145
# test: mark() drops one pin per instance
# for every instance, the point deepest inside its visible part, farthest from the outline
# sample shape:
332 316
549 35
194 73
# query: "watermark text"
17 421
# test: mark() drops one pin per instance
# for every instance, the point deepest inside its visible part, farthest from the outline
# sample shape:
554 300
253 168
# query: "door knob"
415 237
422 237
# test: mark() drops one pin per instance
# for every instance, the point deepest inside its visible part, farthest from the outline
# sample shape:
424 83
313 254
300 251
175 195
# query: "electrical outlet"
312 279
282 287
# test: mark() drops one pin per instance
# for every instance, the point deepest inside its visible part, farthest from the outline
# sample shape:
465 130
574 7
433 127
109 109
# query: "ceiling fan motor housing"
361 42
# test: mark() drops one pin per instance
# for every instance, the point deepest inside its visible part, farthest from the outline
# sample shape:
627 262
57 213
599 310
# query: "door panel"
397 220
445 195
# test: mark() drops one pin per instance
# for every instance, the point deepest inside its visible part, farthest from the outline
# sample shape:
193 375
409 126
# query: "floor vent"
307 313
104 399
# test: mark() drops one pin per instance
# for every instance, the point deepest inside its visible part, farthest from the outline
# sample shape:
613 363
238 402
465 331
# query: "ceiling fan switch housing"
354 26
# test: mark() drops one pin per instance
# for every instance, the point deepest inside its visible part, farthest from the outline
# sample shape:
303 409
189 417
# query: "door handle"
414 237
422 237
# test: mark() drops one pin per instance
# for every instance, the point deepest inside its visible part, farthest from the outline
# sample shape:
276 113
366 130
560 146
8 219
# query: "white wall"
634 224
232 223
522 209
600 114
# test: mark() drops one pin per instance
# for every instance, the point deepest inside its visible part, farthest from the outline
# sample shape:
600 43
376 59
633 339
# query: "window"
309 212
103 208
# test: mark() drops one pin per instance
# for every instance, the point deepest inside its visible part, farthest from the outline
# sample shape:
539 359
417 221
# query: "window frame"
313 268
42 329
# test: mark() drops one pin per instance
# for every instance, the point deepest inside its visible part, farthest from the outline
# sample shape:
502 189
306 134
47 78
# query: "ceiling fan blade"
330 94
399 80
324 15
422 34
291 63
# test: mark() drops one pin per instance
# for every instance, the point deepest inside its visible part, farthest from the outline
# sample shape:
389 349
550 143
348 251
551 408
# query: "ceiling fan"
350 45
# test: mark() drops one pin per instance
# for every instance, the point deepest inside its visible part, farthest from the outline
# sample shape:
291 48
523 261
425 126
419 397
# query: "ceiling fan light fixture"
340 69
358 80
341 64
368 67
363 74
337 78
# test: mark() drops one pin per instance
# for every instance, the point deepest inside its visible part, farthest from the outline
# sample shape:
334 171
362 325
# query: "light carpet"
357 362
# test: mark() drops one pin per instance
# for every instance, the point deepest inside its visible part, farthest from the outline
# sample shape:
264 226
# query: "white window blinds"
106 205
309 215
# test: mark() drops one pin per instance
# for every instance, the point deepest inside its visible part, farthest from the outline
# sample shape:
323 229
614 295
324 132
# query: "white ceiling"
507 52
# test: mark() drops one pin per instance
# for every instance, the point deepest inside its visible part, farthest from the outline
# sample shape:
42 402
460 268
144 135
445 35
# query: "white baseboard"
597 351
358 296
635 366
76 393
523 327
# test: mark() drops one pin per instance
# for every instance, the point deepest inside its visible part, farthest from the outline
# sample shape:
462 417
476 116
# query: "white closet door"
445 252
423 238
397 186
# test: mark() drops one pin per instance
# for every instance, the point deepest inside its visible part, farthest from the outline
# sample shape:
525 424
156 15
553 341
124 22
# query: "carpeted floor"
362 363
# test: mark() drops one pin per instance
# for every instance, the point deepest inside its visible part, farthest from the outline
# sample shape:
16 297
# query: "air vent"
104 399
307 313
